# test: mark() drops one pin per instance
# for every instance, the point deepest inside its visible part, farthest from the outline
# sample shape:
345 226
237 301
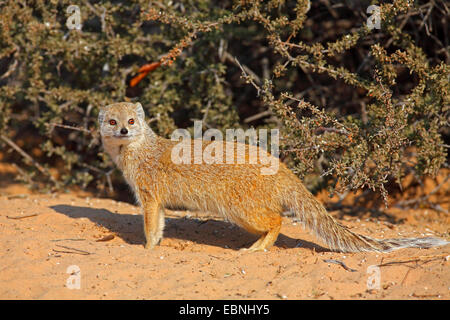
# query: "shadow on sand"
210 232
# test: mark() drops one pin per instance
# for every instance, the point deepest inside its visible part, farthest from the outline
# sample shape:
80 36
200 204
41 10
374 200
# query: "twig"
76 251
404 278
248 77
107 174
11 69
425 295
425 259
424 199
105 28
258 116
23 153
22 217
205 115
247 70
317 111
13 66
69 127
400 28
28 157
23 175
330 8
157 118
18 196
320 130
339 263
426 18
106 238
68 239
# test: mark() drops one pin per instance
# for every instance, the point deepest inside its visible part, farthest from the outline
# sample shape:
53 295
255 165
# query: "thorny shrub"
358 107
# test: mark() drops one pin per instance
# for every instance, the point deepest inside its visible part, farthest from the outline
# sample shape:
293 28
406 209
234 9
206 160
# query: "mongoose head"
122 123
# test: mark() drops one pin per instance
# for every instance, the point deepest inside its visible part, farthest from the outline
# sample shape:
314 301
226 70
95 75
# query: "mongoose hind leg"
268 225
264 242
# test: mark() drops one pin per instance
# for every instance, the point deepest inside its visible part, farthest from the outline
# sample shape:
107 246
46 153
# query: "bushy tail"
339 238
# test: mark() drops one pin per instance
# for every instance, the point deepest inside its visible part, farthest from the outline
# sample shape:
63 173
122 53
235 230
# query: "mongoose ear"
140 111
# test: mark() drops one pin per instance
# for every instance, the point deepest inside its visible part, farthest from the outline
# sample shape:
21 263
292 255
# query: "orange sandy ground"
198 257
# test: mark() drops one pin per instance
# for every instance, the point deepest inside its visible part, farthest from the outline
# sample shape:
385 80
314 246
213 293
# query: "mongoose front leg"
153 223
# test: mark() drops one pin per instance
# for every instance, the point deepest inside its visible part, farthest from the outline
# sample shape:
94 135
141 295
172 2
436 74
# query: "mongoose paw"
150 244
252 250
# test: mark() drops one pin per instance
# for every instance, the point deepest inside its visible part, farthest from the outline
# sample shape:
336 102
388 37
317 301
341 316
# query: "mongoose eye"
112 122
131 121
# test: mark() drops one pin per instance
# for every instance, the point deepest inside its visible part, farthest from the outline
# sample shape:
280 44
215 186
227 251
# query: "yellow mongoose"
239 192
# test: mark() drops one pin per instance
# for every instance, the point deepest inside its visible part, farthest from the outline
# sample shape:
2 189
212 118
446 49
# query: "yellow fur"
238 192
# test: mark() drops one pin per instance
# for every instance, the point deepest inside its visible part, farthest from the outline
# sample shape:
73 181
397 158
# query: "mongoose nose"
123 131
